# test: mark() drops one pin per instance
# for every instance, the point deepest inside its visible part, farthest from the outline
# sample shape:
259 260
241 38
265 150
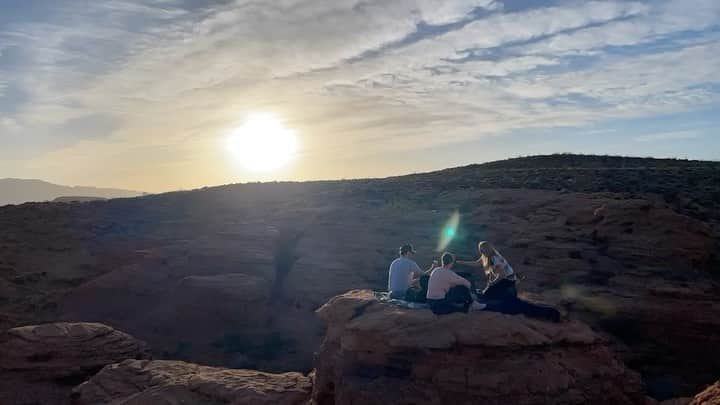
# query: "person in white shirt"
447 291
402 272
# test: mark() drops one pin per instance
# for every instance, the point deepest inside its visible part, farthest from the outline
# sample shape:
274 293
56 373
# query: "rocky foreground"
377 353
175 382
39 364
231 276
373 353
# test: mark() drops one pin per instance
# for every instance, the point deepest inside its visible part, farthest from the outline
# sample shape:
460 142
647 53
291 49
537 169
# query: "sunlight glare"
262 143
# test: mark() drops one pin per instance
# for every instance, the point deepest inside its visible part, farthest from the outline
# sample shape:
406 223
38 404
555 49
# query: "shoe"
477 306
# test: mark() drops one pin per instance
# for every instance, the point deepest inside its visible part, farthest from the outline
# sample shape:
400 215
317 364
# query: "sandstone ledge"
65 349
144 382
39 364
379 353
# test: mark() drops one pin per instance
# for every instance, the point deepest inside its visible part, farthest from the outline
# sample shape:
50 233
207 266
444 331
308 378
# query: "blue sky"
142 94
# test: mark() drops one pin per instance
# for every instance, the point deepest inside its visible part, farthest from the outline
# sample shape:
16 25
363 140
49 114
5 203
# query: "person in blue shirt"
403 271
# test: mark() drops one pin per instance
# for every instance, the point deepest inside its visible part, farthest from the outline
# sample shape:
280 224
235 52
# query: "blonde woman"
500 295
500 274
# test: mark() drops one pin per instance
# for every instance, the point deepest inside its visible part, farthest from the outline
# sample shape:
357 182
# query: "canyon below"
261 293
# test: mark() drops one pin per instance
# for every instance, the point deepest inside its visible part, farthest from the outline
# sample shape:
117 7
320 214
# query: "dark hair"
447 258
405 249
487 249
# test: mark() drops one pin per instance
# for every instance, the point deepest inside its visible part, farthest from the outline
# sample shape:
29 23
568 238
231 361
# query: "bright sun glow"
262 143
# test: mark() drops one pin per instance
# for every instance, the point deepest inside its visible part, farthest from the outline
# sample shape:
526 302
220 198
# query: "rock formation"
143 382
710 396
232 275
378 353
41 363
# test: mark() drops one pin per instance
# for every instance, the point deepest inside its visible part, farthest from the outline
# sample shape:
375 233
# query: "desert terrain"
232 276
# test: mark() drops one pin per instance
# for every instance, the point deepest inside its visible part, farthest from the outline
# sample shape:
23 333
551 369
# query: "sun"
262 143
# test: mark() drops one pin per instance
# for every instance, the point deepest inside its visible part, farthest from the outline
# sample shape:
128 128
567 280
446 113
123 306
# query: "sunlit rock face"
710 396
144 382
379 353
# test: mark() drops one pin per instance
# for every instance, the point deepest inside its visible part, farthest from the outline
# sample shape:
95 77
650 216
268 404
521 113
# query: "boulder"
711 396
379 353
65 349
143 382
41 363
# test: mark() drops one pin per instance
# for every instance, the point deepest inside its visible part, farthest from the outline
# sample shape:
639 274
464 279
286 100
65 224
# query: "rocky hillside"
232 275
18 191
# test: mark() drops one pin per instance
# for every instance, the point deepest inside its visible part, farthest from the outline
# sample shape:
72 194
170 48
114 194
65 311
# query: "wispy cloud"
120 80
668 136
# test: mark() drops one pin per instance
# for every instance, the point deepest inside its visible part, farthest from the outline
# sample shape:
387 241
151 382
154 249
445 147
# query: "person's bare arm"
418 272
460 280
499 274
425 272
474 263
432 267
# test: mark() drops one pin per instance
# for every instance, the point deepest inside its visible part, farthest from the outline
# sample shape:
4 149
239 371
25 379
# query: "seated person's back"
441 281
444 281
401 272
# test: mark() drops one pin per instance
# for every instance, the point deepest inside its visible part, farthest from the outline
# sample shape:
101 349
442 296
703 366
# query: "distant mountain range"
18 191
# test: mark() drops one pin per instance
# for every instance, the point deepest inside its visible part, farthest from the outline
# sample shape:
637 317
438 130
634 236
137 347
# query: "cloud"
8 125
565 92
356 77
668 136
663 19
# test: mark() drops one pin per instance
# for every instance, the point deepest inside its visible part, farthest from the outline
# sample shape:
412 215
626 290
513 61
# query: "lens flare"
449 231
588 300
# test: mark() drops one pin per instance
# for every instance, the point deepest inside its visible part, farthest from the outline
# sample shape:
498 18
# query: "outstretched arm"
457 280
432 267
474 263
417 272
496 275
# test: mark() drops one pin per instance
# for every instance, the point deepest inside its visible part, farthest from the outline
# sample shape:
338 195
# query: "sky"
142 94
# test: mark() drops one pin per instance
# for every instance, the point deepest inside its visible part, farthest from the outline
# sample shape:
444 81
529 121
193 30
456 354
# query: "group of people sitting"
446 291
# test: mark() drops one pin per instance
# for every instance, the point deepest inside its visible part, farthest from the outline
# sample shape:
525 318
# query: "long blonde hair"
487 250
